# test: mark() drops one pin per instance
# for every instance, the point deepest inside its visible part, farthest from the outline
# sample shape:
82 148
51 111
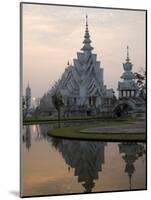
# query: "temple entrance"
88 113
123 110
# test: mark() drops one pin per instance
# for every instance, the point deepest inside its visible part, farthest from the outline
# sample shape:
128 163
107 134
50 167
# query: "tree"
37 111
141 82
57 102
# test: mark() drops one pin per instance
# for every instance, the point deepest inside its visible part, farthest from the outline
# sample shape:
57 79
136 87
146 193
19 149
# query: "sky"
52 35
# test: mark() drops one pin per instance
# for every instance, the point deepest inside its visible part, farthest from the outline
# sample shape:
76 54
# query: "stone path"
136 127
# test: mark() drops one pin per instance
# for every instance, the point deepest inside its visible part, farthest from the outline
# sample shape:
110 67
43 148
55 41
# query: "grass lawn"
74 133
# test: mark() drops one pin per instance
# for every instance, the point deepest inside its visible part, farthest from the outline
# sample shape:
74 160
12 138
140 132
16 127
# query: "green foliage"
57 101
141 82
140 78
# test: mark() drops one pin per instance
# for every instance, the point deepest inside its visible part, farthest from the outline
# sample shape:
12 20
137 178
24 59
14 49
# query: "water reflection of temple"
85 157
26 138
130 153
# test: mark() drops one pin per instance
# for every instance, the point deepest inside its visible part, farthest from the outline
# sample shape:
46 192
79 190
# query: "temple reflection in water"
131 151
26 137
85 157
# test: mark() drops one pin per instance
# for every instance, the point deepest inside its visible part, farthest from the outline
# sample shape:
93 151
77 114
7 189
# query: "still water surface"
58 166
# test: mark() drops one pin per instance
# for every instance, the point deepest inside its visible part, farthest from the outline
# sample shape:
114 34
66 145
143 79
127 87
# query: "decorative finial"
127 59
86 20
127 51
68 62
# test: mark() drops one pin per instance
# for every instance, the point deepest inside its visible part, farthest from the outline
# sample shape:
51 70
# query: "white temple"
82 83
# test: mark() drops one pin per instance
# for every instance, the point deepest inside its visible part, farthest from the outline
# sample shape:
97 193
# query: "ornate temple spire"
128 74
87 41
127 59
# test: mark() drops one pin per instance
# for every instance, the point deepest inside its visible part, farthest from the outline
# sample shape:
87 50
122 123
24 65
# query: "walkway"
134 127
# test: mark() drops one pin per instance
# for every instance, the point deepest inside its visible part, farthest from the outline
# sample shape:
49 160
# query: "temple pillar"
120 94
130 93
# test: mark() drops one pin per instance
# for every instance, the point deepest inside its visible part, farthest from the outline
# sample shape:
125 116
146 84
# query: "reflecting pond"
62 166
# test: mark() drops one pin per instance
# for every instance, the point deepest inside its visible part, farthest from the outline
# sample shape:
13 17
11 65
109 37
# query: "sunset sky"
52 35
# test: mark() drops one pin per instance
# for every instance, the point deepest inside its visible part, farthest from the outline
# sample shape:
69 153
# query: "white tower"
28 98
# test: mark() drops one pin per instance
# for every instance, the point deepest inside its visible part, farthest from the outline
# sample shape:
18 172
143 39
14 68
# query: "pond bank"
119 131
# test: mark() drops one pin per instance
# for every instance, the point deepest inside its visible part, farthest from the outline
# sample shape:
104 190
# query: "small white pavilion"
128 87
